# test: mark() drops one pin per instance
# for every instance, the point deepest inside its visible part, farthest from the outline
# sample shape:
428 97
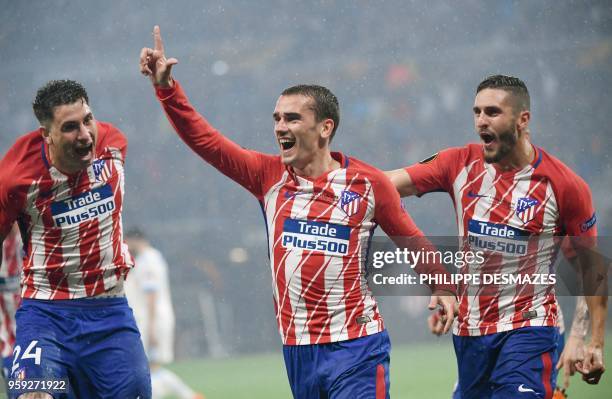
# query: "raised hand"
154 64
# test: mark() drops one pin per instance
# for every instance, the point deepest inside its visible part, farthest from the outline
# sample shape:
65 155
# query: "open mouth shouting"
286 143
488 139
84 151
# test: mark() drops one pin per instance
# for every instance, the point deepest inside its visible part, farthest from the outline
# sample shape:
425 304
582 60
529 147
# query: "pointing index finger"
159 45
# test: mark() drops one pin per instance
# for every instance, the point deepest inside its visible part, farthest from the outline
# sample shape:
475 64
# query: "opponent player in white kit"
148 293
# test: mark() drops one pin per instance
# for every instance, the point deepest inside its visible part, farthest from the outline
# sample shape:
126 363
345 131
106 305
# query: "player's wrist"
444 291
163 93
598 333
577 335
596 343
165 83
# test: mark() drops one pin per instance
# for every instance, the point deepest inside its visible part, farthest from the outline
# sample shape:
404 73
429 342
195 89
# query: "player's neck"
320 164
55 161
523 155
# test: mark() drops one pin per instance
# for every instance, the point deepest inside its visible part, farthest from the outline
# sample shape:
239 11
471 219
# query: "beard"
507 140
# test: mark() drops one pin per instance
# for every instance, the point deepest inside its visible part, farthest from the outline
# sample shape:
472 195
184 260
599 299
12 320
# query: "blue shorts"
512 364
560 346
357 368
93 343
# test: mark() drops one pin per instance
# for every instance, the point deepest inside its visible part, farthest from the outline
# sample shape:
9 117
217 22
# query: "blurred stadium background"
405 74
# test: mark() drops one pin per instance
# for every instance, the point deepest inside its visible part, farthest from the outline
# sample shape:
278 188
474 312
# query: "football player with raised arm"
320 208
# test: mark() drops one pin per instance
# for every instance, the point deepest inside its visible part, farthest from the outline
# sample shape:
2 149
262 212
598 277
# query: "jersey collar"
45 154
338 156
537 159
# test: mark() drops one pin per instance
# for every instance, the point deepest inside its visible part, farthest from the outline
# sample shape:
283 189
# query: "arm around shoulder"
402 182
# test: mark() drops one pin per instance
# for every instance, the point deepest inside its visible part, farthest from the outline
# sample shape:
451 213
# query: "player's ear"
44 132
327 128
523 120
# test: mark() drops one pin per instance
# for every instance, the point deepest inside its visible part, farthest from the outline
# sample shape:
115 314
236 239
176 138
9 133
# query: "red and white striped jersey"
318 230
9 302
513 217
9 290
71 224
11 259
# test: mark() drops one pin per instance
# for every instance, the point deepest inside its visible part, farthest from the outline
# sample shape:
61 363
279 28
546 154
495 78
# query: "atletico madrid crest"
101 170
349 202
20 374
525 208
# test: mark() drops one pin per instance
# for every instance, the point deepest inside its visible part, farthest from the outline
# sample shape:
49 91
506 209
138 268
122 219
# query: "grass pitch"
417 371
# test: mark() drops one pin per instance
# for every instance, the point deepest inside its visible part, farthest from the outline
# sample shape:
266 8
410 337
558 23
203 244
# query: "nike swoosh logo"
521 388
473 195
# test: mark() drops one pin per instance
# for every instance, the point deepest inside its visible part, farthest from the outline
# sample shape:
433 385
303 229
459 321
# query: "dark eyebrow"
88 116
288 115
492 109
488 110
69 123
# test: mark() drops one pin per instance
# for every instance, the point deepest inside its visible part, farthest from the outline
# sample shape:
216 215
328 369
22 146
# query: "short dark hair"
56 93
512 85
325 102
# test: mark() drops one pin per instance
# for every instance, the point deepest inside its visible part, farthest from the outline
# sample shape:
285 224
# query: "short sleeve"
576 211
151 271
437 172
112 139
